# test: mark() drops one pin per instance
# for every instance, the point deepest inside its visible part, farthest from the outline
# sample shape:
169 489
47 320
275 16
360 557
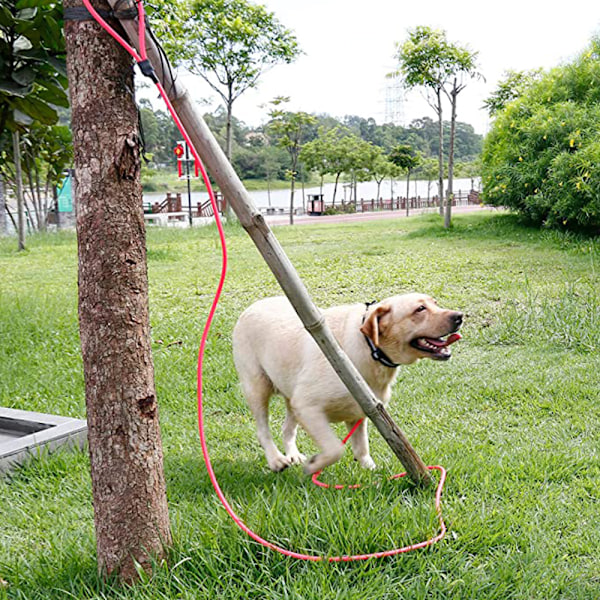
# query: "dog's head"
412 326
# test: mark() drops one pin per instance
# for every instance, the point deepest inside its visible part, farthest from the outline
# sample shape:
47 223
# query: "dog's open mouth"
438 348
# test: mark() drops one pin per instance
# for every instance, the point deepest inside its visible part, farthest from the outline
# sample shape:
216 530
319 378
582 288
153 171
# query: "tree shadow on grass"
188 477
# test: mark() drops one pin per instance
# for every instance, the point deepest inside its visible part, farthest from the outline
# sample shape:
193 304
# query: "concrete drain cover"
24 434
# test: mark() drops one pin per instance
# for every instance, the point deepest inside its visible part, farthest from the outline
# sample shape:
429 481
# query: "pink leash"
142 58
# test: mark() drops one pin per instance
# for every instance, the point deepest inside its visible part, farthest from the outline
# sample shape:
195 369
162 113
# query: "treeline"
256 154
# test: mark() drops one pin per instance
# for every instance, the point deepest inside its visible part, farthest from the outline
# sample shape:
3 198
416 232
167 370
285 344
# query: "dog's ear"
372 326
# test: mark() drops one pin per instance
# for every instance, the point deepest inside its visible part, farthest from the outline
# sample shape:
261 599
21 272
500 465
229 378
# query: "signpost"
182 152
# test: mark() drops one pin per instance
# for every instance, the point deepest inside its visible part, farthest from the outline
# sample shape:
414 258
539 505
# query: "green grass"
514 417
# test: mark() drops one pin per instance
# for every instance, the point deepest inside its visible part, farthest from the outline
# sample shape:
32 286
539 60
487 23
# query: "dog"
274 354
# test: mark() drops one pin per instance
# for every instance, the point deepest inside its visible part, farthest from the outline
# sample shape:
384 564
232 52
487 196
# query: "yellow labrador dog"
274 354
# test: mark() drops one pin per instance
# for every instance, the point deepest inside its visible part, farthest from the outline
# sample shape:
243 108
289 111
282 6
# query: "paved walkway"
366 216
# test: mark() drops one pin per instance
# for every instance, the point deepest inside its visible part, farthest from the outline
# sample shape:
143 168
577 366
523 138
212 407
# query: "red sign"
178 151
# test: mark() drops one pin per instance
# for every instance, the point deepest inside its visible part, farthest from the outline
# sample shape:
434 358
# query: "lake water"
365 190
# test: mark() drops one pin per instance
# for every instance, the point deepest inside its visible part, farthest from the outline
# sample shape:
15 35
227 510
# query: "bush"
340 209
542 156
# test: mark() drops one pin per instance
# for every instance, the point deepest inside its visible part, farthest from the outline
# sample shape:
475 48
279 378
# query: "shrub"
542 156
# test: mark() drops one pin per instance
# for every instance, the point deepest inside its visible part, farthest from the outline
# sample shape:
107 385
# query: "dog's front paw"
367 463
279 463
296 458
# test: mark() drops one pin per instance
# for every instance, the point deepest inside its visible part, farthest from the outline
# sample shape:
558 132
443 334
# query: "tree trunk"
229 150
448 215
440 152
407 191
3 213
292 191
19 189
128 485
337 178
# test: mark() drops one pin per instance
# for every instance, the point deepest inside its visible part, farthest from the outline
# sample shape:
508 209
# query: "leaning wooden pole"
252 220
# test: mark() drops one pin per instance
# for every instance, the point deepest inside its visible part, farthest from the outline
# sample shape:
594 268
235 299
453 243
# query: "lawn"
514 417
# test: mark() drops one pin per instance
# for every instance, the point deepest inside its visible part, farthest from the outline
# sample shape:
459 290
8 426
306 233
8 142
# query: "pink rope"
238 521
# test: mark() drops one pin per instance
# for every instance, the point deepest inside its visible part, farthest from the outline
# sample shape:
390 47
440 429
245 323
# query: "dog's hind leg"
360 444
315 423
258 390
290 428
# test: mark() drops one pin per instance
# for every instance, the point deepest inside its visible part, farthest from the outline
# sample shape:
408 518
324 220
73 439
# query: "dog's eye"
421 308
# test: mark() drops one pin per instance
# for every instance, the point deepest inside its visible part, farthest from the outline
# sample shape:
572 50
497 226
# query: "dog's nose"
457 319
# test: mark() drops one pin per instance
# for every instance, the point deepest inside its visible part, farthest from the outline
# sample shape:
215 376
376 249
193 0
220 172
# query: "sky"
349 47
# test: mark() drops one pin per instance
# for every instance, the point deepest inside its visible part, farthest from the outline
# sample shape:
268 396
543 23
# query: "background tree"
160 135
512 86
3 212
289 129
315 156
405 158
32 77
421 64
427 59
362 156
461 65
229 43
542 155
332 152
428 170
45 152
128 485
380 168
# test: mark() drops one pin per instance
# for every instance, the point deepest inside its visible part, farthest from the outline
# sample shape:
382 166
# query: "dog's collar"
377 353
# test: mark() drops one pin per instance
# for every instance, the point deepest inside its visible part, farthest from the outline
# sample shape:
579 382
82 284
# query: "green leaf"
33 54
21 117
21 44
14 89
24 76
21 4
39 110
54 95
6 18
58 64
26 14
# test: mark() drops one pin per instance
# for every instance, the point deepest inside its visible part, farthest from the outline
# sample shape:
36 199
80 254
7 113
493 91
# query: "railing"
173 204
204 209
169 205
460 198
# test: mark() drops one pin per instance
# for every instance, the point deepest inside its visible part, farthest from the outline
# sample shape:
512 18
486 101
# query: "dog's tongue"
454 337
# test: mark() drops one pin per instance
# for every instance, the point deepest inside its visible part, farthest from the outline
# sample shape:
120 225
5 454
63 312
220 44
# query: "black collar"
377 353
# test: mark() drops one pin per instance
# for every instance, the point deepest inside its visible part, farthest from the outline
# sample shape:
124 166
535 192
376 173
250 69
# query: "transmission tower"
394 101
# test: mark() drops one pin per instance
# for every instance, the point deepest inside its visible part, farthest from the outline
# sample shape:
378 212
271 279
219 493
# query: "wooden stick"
252 220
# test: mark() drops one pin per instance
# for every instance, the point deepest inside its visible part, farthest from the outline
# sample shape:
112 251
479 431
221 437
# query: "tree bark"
292 192
440 152
407 191
448 214
229 213
128 485
229 130
19 190
3 212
